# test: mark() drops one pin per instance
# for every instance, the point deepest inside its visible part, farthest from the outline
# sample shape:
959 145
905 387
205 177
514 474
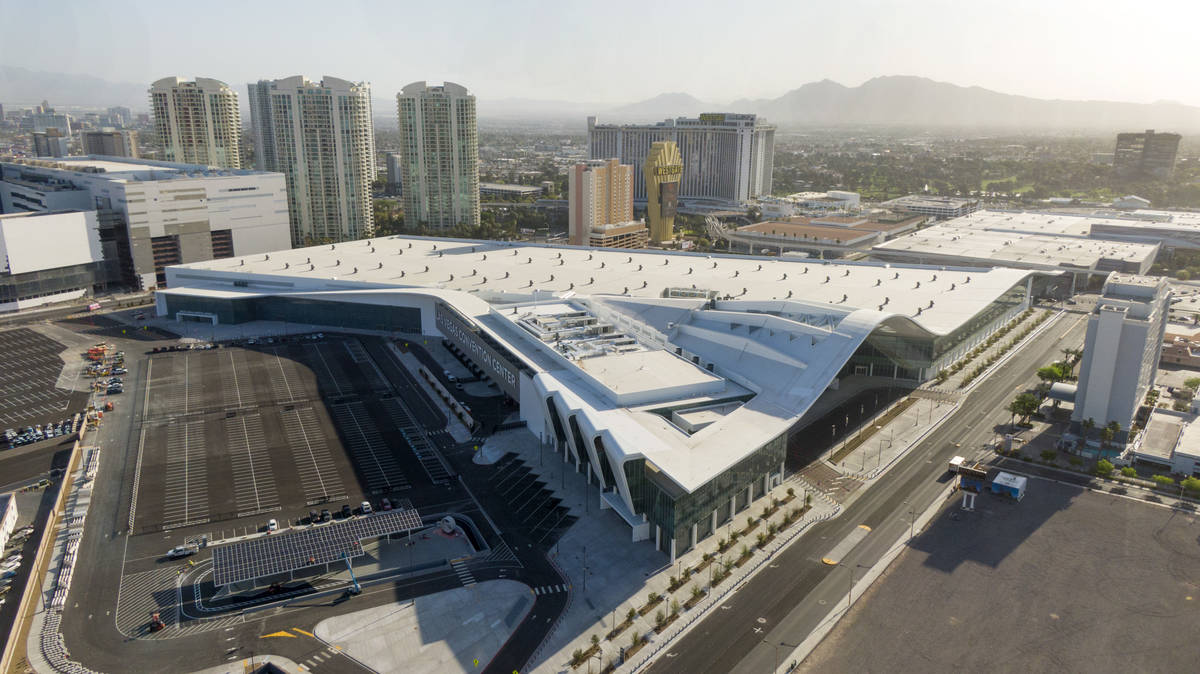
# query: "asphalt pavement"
775 611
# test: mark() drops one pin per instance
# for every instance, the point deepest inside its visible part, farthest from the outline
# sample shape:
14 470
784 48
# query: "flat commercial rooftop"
642 372
938 299
604 332
817 233
104 164
967 240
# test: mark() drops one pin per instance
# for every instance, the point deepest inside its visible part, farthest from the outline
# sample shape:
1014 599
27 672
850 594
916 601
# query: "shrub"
1163 481
1049 454
674 606
696 592
761 539
595 640
749 522
807 499
674 582
1075 461
1129 471
653 598
634 638
631 615
1104 468
576 657
722 543
791 492
1191 484
660 618
745 551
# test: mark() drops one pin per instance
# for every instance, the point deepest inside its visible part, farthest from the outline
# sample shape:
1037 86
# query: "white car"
272 525
366 507
181 551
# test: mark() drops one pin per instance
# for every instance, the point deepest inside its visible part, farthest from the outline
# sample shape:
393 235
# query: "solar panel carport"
290 551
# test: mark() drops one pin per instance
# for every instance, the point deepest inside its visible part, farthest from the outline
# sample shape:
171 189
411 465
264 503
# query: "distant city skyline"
1069 49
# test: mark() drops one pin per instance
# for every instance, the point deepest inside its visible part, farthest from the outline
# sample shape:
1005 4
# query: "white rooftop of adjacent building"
753 341
1018 249
119 169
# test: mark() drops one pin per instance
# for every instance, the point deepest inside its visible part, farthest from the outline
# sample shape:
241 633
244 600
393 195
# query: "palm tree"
1089 423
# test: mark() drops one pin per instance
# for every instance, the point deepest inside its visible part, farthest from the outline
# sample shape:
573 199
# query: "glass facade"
675 511
34 284
340 314
898 348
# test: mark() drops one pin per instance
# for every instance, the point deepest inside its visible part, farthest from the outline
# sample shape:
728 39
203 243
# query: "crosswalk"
330 659
549 589
464 574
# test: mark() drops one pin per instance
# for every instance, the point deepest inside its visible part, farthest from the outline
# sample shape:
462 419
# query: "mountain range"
921 102
883 101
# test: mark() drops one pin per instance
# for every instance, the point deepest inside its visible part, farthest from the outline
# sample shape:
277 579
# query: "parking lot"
265 430
30 368
1065 580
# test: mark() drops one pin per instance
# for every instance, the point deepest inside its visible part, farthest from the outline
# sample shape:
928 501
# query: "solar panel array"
293 550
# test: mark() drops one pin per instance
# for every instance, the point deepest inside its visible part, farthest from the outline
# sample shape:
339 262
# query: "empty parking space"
30 368
319 476
235 379
253 479
186 476
271 430
375 461
416 440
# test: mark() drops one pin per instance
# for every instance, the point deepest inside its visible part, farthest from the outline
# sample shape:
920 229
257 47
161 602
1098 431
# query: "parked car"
272 525
365 507
385 504
314 517
346 511
326 515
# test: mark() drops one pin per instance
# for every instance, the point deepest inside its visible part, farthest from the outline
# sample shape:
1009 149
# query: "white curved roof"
785 331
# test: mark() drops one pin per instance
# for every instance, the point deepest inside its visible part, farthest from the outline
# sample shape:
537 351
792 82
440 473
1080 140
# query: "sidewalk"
609 574
448 631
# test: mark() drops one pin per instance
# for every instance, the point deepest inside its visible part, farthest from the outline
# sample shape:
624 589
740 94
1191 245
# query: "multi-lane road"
757 629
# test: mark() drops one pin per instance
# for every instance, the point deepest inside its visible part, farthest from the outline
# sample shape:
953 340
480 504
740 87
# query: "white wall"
42 241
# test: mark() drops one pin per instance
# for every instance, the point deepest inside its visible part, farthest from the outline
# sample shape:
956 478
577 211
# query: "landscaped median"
1024 324
688 590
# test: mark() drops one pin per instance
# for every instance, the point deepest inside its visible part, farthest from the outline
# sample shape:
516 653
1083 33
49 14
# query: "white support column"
732 506
658 538
714 519
695 532
672 550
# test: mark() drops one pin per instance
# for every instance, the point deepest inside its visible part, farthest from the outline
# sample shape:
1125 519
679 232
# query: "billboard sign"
668 195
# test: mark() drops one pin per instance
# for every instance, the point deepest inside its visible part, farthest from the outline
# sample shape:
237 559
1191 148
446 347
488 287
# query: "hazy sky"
615 51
